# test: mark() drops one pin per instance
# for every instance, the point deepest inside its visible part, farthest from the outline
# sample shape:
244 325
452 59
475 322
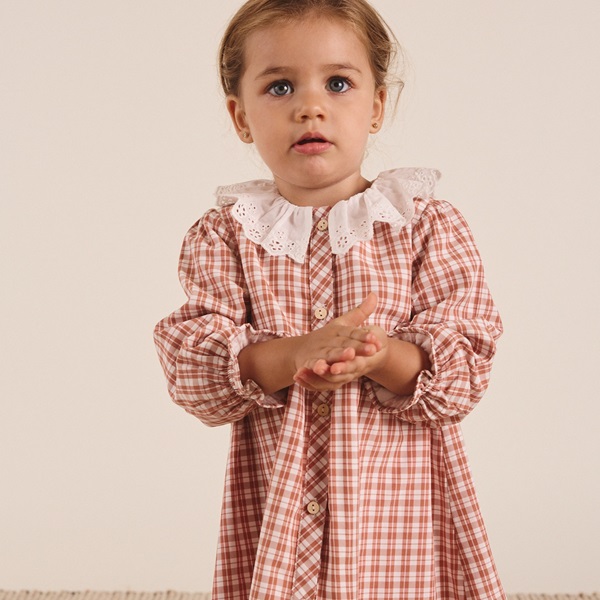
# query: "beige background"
113 136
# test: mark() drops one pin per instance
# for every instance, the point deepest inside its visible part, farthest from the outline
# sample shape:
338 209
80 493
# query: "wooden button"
323 410
313 508
322 225
321 313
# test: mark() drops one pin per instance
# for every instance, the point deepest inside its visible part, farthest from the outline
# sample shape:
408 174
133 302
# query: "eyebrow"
272 71
284 70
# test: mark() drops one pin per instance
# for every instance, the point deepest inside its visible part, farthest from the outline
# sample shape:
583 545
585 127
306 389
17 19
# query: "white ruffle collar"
282 228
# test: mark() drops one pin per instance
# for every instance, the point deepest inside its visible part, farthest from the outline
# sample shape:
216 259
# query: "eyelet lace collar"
282 228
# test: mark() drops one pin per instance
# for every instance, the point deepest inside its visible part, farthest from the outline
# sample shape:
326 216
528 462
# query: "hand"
342 351
334 355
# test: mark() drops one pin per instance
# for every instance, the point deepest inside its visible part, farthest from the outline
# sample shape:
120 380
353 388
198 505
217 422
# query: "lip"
312 142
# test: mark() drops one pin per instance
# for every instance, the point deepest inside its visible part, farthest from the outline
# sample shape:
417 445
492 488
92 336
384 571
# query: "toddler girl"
341 326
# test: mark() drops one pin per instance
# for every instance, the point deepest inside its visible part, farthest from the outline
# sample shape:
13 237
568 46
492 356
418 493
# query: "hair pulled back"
379 41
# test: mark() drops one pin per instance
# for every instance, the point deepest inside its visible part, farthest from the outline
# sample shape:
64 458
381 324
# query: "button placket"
312 522
314 509
320 269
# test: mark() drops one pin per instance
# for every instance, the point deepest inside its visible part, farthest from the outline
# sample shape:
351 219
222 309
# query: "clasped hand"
341 351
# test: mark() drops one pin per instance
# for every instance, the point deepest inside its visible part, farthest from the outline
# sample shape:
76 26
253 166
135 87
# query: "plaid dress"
353 494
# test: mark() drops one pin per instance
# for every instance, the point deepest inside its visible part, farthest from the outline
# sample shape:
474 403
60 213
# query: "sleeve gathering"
199 343
454 320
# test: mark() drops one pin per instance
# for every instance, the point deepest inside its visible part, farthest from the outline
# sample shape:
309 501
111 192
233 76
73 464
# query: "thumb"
357 316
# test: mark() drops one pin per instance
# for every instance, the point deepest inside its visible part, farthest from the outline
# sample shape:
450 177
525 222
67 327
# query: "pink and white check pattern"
355 494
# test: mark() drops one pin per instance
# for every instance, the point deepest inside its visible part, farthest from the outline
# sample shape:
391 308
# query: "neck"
324 195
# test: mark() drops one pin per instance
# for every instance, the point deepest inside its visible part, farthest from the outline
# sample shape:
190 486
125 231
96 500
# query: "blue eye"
339 85
280 88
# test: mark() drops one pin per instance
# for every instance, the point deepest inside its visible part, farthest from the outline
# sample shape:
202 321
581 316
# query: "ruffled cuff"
250 390
446 392
392 403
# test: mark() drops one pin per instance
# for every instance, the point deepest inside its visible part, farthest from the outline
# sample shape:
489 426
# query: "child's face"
309 79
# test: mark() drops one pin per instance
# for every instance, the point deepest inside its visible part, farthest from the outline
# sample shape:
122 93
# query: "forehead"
308 42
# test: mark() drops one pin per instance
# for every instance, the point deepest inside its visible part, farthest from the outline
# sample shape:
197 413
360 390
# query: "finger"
340 368
360 334
368 344
319 367
347 371
328 380
309 380
301 379
373 339
357 316
333 355
367 349
369 339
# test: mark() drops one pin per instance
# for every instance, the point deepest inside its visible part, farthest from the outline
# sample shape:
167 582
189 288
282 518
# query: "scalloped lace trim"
282 228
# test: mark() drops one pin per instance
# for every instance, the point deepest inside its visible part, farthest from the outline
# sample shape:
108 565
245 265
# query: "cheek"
362 120
257 116
267 125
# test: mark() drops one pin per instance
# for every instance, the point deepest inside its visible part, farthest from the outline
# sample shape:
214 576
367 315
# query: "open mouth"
312 140
312 143
312 137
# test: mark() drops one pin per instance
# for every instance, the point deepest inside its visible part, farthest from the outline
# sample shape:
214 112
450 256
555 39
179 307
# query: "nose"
310 106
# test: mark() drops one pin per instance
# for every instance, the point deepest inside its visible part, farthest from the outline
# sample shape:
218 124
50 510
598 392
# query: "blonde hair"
380 42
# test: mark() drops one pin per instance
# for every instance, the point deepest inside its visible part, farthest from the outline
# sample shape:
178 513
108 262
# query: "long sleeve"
199 343
346 493
453 319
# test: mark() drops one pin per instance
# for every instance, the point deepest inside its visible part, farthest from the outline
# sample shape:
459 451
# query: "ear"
378 109
235 108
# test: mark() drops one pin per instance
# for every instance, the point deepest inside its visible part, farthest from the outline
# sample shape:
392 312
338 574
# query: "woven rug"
171 595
